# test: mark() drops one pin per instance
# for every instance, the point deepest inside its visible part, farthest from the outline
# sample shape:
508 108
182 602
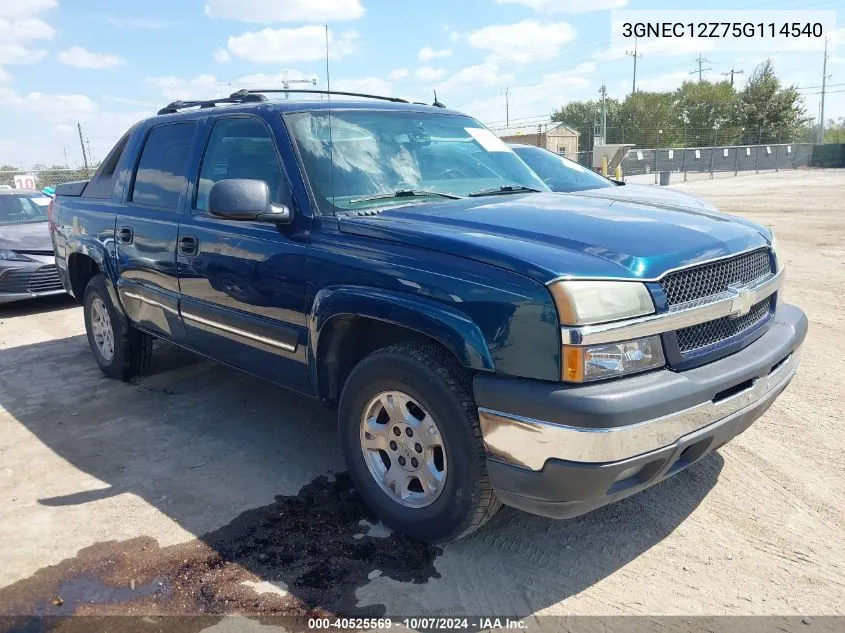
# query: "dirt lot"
194 488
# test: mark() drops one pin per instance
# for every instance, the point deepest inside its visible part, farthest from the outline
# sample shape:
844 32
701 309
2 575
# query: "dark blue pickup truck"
484 340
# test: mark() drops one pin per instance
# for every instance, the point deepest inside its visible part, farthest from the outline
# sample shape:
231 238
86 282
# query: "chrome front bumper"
530 443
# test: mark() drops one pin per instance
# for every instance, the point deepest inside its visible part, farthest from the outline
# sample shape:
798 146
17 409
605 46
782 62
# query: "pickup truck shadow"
40 305
255 472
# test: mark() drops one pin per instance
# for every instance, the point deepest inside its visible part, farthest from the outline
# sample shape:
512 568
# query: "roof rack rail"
242 96
327 92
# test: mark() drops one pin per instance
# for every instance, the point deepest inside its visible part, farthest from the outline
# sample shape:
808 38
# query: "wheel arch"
347 323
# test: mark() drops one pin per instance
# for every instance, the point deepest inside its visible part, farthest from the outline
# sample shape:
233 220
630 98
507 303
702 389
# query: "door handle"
125 235
188 245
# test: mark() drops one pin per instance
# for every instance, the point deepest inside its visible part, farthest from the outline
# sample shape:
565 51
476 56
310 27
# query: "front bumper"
562 450
29 280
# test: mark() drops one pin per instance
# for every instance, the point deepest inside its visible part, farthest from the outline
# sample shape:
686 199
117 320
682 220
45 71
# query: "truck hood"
31 236
664 197
549 235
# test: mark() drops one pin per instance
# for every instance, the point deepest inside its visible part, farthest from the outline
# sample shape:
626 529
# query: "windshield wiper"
498 191
406 193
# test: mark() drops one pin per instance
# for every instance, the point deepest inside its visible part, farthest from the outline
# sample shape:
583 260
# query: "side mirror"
246 199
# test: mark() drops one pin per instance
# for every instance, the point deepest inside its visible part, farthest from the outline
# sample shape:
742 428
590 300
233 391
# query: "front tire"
410 435
120 350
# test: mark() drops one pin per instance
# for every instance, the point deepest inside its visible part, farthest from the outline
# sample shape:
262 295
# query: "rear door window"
161 177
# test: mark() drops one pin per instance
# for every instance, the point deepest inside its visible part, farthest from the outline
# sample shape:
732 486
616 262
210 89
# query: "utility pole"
732 73
634 55
824 88
603 91
701 60
82 144
65 151
507 93
287 82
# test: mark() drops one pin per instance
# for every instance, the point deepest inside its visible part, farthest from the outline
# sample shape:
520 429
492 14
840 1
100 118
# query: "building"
555 137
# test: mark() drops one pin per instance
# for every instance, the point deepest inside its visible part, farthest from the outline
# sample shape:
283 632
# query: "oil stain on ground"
307 554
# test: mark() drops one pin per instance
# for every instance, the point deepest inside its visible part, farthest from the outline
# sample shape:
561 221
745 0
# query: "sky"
106 64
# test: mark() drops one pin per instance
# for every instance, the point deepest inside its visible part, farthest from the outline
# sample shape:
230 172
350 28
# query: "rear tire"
120 350
435 391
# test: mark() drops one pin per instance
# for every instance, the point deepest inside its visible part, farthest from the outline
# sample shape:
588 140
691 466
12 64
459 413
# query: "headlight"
12 256
586 302
779 260
593 362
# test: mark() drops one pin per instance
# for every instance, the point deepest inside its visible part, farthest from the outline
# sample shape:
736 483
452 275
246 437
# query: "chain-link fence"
41 179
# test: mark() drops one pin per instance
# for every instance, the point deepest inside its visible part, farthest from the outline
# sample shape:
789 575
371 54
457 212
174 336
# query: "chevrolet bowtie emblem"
741 302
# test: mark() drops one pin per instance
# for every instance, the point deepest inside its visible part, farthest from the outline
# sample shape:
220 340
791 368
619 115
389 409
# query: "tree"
585 116
647 115
707 111
834 131
775 112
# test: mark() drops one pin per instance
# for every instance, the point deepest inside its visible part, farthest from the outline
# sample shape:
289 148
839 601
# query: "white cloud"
427 53
474 77
58 107
5 76
264 11
136 23
19 25
302 44
454 36
427 73
659 83
81 58
527 101
399 73
567 6
17 9
264 80
366 85
200 87
523 42
11 53
26 29
221 56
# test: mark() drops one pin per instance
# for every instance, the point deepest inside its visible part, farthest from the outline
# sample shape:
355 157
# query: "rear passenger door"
147 228
243 283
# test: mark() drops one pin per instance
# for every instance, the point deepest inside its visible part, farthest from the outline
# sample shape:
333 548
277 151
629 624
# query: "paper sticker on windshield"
487 139
43 201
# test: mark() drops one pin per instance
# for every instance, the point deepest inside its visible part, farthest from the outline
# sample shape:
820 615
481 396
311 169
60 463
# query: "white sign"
671 154
748 151
789 149
698 153
639 155
25 181
768 150
725 152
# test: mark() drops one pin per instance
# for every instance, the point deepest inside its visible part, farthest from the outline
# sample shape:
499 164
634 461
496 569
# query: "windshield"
20 209
384 152
559 173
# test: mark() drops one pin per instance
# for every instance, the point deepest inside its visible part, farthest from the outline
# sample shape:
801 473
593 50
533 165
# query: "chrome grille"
711 279
45 279
703 335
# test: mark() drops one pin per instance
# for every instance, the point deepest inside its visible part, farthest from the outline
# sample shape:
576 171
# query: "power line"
824 87
732 72
701 60
82 144
635 56
507 93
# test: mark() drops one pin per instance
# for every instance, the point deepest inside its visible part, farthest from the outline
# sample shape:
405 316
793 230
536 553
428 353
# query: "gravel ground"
196 489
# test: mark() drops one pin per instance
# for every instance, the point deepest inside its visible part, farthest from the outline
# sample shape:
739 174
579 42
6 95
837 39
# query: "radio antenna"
329 97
